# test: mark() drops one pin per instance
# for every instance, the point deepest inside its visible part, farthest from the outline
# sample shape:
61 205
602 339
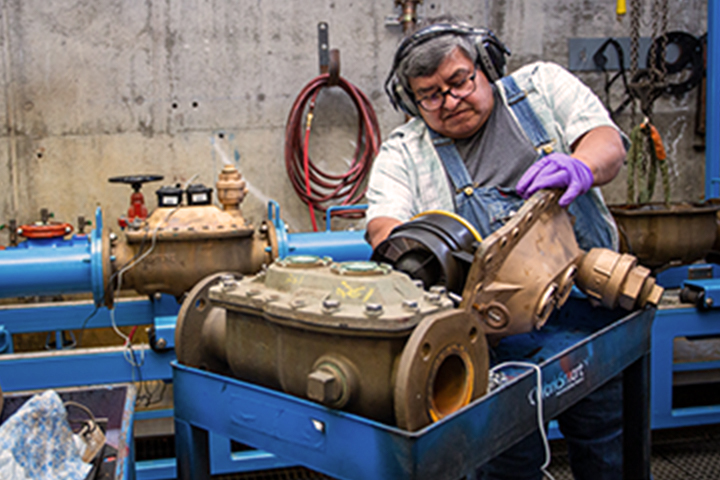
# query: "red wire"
319 189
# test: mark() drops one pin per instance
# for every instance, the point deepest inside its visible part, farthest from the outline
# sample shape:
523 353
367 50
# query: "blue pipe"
57 266
341 246
712 97
54 266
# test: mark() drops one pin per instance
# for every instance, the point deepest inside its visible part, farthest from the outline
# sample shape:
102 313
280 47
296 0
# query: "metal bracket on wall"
323 47
582 50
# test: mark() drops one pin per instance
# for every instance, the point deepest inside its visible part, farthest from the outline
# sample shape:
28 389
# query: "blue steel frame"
107 365
669 324
712 97
346 446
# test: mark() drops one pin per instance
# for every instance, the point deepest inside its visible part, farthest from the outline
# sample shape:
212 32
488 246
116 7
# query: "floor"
679 454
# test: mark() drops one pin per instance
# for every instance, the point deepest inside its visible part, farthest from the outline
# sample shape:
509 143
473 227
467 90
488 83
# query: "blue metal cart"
579 350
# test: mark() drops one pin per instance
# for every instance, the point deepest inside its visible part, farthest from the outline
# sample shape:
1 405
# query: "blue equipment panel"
582 348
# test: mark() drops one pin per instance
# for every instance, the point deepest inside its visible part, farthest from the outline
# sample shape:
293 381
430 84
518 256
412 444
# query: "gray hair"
425 58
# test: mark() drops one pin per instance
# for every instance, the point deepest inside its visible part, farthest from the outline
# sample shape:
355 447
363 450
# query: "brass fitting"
612 279
231 188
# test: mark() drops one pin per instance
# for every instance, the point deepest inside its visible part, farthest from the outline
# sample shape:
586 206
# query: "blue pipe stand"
583 347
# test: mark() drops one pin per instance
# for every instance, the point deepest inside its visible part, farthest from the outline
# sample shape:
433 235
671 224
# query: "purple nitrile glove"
557 170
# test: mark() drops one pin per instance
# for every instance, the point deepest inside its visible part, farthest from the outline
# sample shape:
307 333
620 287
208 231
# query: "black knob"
135 181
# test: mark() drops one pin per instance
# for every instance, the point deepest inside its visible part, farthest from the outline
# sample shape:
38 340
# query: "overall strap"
517 100
468 203
454 164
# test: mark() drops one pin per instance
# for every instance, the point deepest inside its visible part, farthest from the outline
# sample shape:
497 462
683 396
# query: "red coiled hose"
315 187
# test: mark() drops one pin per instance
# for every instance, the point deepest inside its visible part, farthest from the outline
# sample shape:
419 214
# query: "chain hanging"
647 154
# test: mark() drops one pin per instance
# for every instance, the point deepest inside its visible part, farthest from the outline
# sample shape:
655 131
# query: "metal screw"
161 343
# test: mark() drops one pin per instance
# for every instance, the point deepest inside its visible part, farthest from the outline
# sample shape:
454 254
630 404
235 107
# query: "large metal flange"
200 330
443 367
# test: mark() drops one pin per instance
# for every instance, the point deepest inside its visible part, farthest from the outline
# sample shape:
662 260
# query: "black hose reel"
435 247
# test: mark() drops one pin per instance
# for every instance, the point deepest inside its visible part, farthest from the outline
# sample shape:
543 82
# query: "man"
478 144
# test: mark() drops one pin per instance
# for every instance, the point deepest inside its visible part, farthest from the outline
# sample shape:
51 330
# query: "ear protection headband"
491 53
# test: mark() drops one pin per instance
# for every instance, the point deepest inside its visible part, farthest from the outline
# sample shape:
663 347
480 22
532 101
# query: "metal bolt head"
228 282
330 304
373 309
161 343
323 386
439 289
433 298
410 305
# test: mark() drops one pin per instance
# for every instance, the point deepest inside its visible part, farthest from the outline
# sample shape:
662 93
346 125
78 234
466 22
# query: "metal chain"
635 14
656 64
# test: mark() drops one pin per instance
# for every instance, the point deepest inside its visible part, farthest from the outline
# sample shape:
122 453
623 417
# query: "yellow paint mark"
369 294
348 291
295 280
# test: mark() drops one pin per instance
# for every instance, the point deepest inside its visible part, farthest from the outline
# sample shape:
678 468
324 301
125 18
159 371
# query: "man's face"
457 118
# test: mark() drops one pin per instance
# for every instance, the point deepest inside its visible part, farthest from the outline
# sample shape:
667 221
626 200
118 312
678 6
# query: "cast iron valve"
137 207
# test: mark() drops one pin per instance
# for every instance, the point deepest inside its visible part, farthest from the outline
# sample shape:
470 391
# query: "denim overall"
592 427
488 208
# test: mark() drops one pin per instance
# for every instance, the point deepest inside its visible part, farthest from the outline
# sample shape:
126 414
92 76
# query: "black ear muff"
491 59
403 99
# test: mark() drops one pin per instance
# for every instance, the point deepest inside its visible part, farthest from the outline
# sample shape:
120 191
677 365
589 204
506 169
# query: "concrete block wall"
92 89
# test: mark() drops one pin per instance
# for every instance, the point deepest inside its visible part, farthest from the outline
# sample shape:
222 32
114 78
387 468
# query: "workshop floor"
678 454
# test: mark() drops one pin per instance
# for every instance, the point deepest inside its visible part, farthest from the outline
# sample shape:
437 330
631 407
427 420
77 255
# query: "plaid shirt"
408 177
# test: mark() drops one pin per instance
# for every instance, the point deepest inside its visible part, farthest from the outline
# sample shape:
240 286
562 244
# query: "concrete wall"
97 88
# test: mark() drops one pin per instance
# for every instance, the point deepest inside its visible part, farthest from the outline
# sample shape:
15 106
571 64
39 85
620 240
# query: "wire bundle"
315 187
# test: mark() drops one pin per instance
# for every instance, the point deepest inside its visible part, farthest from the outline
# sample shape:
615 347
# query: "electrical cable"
538 404
314 186
129 353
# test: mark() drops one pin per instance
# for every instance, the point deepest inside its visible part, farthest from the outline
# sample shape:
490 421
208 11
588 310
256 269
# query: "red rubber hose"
319 189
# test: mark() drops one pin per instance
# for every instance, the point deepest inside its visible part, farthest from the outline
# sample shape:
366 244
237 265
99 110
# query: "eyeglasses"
460 90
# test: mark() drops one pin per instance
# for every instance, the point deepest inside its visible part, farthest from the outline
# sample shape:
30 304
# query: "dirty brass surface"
523 270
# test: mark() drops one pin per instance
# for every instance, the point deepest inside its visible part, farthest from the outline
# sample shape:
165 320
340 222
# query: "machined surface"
443 367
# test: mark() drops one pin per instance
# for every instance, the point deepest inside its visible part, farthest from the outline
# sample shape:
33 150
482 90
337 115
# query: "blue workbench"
578 350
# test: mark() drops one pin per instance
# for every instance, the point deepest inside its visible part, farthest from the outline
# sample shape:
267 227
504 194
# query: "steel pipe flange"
443 367
200 331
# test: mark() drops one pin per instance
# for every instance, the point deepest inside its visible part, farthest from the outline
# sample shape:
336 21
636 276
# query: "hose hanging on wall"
317 188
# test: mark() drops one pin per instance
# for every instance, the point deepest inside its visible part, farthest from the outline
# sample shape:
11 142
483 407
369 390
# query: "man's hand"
557 170
379 228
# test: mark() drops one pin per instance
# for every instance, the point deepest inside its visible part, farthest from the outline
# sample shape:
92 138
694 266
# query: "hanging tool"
646 155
